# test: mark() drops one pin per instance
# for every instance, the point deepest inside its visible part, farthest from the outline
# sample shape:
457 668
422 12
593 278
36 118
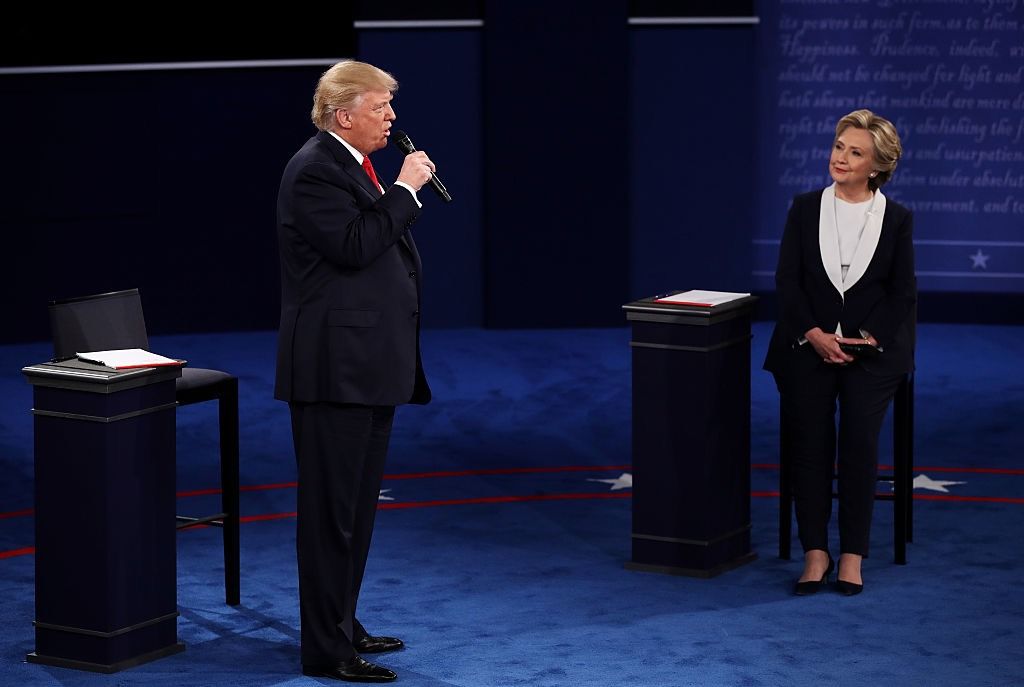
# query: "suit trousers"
340 450
808 407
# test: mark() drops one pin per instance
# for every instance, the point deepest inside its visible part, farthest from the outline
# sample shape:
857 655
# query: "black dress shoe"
376 645
353 670
815 586
849 588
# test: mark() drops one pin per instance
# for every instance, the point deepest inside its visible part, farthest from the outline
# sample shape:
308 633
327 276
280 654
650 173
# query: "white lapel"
828 238
868 241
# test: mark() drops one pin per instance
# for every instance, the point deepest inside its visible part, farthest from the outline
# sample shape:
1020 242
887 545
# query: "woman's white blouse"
850 221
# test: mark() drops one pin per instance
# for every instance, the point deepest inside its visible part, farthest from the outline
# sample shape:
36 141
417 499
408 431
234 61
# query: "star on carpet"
926 482
980 260
623 481
382 497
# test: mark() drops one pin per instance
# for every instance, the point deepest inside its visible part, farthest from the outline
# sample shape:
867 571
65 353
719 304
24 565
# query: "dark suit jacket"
881 302
350 284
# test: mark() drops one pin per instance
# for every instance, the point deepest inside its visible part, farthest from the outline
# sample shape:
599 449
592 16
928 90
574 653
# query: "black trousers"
340 451
808 409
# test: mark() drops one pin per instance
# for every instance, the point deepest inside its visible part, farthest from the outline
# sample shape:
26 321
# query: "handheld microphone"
404 144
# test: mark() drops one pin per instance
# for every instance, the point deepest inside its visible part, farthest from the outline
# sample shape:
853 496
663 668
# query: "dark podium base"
105 668
691 437
104 440
704 573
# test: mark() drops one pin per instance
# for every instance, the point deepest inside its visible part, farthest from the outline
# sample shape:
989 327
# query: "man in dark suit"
348 349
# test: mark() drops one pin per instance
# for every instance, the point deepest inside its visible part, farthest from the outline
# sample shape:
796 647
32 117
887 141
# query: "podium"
106 595
691 436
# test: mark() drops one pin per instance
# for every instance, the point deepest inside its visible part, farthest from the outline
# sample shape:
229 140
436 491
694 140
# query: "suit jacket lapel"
349 165
355 170
828 238
868 241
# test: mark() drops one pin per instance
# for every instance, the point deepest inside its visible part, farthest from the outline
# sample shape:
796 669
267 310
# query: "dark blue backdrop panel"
439 105
693 158
36 35
950 76
162 180
557 160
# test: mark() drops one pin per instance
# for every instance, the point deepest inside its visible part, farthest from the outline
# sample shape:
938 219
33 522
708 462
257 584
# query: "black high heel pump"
815 586
849 588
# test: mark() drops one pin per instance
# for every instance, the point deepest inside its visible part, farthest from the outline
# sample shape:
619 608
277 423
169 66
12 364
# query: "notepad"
706 299
126 358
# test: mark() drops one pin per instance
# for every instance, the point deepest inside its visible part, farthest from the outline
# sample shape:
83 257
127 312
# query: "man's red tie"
369 171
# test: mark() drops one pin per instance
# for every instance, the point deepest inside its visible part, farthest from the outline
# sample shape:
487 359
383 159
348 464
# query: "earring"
873 175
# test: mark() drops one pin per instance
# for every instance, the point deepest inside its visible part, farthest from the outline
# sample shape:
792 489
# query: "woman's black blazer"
881 302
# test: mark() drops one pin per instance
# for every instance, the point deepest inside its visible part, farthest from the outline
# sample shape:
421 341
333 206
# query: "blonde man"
348 349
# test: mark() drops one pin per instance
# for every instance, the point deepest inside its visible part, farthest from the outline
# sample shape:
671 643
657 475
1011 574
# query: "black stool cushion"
193 378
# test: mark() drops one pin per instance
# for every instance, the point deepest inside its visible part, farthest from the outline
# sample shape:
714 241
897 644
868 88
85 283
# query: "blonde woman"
844 337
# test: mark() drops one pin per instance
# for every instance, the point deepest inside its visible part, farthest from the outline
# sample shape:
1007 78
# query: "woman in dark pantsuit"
844 336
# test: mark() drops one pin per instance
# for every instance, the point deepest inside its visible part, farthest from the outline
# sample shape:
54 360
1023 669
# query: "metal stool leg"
228 408
909 463
785 497
901 488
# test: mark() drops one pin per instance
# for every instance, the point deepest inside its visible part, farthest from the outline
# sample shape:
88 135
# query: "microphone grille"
403 142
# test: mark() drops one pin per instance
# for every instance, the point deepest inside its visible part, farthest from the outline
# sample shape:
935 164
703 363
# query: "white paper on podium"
126 358
707 299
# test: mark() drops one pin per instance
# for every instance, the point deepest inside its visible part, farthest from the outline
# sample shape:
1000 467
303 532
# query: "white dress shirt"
359 158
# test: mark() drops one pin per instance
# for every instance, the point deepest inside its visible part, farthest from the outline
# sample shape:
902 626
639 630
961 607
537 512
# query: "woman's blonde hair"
888 148
343 85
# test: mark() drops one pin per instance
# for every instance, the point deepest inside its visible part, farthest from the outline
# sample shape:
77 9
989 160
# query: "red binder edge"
132 367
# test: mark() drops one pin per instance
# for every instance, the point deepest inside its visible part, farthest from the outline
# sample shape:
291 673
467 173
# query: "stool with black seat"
115 320
901 476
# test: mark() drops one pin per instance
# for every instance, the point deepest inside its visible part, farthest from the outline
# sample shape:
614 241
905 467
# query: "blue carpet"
500 559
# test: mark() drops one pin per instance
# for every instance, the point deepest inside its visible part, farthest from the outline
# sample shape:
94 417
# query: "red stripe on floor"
541 470
401 505
508 471
585 468
775 494
395 505
269 516
198 492
267 487
976 499
982 471
923 468
429 475
250 487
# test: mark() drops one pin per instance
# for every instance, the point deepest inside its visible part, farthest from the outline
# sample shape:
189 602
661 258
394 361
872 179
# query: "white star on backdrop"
623 481
980 260
926 482
382 497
